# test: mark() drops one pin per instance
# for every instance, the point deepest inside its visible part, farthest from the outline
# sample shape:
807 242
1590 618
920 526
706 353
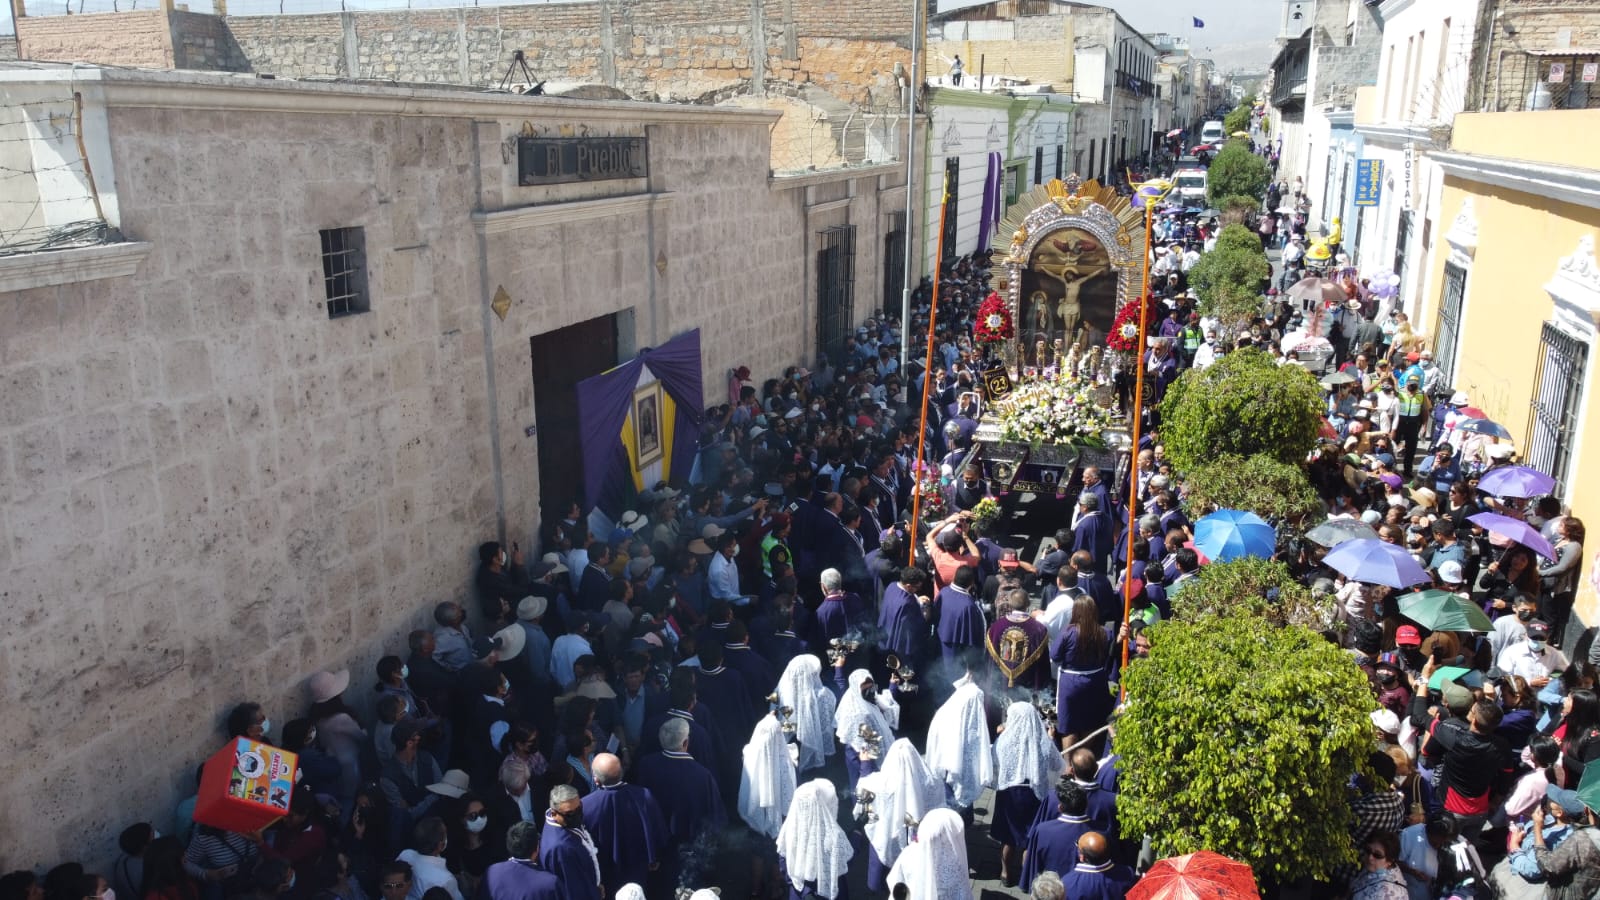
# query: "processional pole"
927 372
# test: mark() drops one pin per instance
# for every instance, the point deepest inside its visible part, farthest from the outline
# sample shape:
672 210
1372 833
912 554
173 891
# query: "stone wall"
8 46
201 41
1344 64
209 490
137 38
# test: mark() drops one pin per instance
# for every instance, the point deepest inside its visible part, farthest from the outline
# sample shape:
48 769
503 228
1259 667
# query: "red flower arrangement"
993 324
1124 334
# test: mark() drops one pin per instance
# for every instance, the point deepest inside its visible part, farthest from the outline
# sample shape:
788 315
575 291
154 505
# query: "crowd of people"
739 669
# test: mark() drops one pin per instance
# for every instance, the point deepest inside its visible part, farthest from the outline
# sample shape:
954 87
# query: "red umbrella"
1472 412
1204 561
1327 430
1197 876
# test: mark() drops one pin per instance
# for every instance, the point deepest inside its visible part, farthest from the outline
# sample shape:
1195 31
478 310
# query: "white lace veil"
813 846
856 710
767 781
903 788
935 867
801 690
1024 754
958 745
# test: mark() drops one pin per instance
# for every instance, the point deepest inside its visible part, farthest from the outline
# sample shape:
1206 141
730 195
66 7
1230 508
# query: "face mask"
266 726
573 819
477 824
1524 615
735 549
869 691
311 738
1538 646
108 895
673 603
405 671
502 557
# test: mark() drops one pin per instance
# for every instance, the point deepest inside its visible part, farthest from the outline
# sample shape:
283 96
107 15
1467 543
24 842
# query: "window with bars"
344 271
1559 376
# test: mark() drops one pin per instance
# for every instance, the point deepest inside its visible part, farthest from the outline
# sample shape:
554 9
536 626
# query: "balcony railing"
1538 81
1289 90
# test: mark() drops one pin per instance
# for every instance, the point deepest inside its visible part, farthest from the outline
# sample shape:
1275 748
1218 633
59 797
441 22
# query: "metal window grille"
1557 388
1448 330
344 271
835 289
1038 165
894 264
1535 81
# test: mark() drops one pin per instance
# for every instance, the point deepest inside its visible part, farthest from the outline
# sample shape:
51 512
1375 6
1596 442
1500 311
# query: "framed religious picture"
646 424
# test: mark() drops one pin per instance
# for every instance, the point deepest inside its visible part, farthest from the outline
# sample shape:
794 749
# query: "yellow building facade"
1514 293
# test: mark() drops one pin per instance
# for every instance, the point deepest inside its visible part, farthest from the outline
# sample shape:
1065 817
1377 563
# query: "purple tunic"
1014 810
1106 881
1053 847
686 792
901 622
519 879
1017 645
1083 692
836 616
563 855
960 621
628 829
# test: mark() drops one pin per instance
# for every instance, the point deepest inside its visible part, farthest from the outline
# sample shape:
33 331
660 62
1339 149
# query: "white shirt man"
1534 658
722 576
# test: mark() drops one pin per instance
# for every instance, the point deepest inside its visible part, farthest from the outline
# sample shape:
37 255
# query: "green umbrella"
1589 788
1438 610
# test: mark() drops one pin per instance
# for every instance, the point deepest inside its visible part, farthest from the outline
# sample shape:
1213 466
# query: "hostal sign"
563 160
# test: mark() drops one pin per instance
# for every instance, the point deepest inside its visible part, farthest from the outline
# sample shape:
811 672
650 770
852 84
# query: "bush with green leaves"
1235 210
1229 279
1241 737
1275 490
1254 588
1237 120
1243 405
1237 172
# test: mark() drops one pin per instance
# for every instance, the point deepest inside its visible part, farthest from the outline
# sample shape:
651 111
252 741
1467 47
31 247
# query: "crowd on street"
762 667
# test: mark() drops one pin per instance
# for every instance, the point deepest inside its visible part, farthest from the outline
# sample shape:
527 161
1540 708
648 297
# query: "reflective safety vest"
1191 338
767 543
1410 404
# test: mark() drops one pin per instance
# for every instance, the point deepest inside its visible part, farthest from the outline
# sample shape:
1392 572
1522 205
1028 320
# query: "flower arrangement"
993 323
1061 411
934 505
1124 334
985 513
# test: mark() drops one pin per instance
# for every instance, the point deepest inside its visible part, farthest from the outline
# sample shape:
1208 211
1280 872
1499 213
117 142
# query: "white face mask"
266 727
478 824
312 737
405 671
502 557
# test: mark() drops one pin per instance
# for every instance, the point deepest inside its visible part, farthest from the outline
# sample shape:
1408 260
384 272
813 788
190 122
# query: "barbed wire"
268 7
47 195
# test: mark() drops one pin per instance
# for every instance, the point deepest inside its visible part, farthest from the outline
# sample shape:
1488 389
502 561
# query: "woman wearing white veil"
904 789
935 866
864 705
958 746
1027 768
815 851
767 781
802 691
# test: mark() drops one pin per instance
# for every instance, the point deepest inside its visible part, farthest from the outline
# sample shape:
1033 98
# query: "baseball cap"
1566 798
1450 572
1008 559
1538 631
1408 636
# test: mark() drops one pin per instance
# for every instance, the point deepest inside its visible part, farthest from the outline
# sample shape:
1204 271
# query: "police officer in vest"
1412 411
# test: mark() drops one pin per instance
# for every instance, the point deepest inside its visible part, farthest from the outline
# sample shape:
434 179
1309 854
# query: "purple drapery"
993 199
604 402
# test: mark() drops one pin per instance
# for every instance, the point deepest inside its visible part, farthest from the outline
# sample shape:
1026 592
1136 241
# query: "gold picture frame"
648 445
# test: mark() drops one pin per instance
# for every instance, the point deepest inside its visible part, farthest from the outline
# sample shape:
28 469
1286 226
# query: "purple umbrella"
1375 562
1514 530
1516 481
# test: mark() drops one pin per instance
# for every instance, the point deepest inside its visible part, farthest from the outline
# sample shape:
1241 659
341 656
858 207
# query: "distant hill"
1245 56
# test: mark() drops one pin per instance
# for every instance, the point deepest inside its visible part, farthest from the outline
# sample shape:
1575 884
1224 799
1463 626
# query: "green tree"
1272 489
1237 120
1255 588
1243 405
1229 279
1241 737
1237 172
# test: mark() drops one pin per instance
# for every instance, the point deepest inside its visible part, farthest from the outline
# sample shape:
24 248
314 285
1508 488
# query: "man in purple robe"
565 848
759 679
687 794
902 622
1053 843
1096 877
520 877
961 622
1100 798
1093 531
685 703
626 824
1019 644
840 612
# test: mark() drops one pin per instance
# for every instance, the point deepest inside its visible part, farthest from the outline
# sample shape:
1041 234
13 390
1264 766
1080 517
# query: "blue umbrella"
1375 562
1514 530
1516 481
1230 533
1485 426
